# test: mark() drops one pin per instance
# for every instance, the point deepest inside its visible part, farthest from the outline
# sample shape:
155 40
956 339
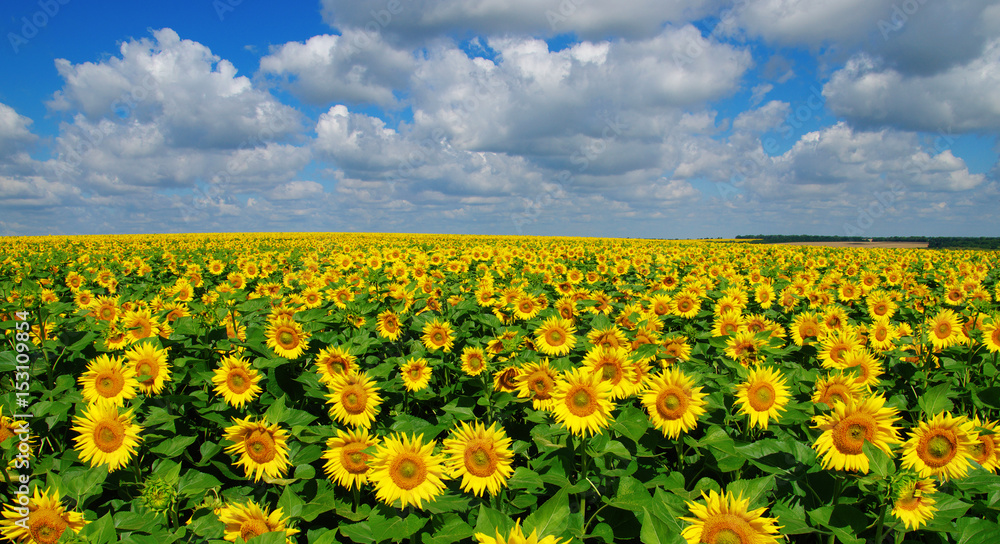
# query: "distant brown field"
892 245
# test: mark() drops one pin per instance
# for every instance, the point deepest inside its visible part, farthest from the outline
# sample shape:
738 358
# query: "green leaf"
452 530
603 532
936 400
101 531
792 518
656 530
632 495
977 531
274 537
756 489
173 447
290 503
631 423
552 518
490 521
881 464
276 412
524 478
193 483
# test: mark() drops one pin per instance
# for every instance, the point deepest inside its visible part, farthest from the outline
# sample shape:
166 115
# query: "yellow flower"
346 461
149 361
762 396
333 360
727 519
837 388
46 522
388 325
480 456
985 452
673 403
944 329
249 520
582 402
941 447
407 470
108 382
286 337
355 399
537 381
106 437
262 448
555 336
517 536
438 335
913 504
848 427
236 381
473 360
611 365
416 374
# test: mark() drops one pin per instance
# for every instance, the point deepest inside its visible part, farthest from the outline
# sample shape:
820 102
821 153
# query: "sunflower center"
726 528
582 402
727 536
408 471
943 330
761 396
984 449
109 435
437 338
881 334
109 384
940 449
837 353
148 368
354 399
480 459
611 372
354 460
475 362
238 381
46 526
672 403
555 338
850 434
253 527
338 366
909 503
286 339
260 446
835 393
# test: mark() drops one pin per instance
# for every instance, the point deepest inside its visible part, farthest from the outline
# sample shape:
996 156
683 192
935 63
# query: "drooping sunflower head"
673 403
726 518
913 503
46 521
262 448
848 427
405 469
150 365
354 398
108 381
505 379
347 459
106 437
582 402
236 381
249 520
762 396
941 447
480 456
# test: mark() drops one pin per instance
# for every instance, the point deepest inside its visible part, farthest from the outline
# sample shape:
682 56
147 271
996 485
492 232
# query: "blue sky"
695 118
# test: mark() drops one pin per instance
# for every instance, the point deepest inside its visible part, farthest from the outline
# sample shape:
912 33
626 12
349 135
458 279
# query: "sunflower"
331 361
555 336
47 519
249 520
991 335
582 402
743 347
537 381
913 504
286 338
438 335
139 324
848 427
505 379
473 360
517 536
105 308
687 304
355 399
607 337
762 396
805 326
882 334
262 448
727 323
388 325
865 364
837 388
673 403
612 366
346 460
985 452
407 470
480 456
835 345
675 349
108 381
236 381
526 308
727 519
944 329
416 374
150 364
106 437
941 447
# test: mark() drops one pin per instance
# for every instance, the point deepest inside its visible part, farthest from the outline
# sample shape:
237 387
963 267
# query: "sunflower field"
320 388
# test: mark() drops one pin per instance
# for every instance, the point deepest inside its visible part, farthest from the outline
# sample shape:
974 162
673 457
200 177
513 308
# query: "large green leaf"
552 518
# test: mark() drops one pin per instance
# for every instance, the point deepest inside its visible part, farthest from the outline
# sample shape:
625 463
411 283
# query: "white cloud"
351 68
15 134
962 98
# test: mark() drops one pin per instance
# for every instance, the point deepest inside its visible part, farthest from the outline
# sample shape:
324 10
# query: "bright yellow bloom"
407 470
848 427
46 521
727 519
582 402
673 403
762 396
480 456
262 448
249 520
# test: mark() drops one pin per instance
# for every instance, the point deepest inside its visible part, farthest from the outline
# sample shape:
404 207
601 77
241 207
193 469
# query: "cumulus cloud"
421 20
15 134
962 98
351 68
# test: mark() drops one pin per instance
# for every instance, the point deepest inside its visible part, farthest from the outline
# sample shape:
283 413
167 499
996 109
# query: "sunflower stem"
356 498
583 475
837 489
881 522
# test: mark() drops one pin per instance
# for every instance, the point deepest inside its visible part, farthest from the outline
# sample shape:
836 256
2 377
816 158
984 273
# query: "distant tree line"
933 242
